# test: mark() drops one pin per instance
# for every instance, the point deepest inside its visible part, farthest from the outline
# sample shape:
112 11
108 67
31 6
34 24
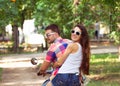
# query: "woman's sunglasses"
76 32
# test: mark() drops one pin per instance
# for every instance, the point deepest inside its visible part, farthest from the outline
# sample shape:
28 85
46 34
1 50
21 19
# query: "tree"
58 12
63 13
15 12
110 12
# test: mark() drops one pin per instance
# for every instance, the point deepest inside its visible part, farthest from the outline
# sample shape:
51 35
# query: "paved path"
18 71
104 49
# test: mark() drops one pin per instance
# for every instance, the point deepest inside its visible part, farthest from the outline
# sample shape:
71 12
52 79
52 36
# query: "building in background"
28 33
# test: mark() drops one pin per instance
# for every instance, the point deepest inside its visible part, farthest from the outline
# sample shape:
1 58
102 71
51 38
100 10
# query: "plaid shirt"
56 50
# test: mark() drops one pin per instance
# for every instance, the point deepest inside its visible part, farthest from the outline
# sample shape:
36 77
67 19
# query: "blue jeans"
45 82
66 80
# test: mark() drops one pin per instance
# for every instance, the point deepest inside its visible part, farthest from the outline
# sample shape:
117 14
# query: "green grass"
104 70
0 74
103 83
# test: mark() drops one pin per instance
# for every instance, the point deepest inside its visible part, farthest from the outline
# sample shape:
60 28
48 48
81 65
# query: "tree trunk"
15 39
119 51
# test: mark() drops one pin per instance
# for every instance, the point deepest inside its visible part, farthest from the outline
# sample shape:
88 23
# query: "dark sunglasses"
76 32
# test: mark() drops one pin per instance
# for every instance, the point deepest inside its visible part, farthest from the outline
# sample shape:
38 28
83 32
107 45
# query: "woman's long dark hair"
84 41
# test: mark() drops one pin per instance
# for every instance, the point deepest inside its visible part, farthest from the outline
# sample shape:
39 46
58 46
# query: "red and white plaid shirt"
55 51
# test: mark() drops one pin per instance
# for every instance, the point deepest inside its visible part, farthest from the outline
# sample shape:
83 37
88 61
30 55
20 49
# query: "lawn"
104 70
0 73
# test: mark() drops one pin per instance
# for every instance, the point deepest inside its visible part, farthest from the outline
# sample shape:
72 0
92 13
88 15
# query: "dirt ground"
21 77
20 72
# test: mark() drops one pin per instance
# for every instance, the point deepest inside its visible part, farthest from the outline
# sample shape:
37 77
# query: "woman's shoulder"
73 45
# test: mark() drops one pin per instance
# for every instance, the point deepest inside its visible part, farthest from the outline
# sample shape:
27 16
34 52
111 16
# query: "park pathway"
18 71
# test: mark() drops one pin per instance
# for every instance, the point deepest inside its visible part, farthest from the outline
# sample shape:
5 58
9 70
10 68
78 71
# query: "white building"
28 32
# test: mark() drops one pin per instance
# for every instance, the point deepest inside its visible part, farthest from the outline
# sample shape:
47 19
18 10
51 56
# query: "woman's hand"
56 65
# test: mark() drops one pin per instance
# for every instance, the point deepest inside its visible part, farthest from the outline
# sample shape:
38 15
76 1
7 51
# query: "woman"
74 60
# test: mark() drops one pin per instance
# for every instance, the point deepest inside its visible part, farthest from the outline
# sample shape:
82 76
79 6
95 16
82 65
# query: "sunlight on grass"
101 83
104 70
105 60
104 56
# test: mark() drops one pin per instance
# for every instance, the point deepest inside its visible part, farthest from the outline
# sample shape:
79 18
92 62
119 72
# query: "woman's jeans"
46 82
66 80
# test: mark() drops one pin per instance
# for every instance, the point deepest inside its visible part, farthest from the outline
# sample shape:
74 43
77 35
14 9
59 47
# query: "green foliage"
16 12
63 13
58 12
91 33
84 13
116 36
108 12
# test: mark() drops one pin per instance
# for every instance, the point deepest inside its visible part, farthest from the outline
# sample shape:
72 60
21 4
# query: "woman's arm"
70 49
61 60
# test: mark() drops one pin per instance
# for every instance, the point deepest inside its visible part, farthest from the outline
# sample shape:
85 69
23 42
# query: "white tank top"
72 63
